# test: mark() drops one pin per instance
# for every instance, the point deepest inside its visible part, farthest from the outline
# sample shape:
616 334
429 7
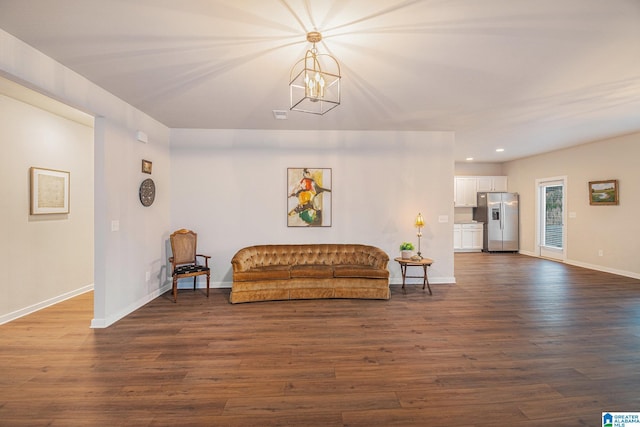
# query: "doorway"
39 131
550 218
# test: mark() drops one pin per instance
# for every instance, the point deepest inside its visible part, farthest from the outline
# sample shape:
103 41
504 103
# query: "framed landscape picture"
49 191
603 192
309 197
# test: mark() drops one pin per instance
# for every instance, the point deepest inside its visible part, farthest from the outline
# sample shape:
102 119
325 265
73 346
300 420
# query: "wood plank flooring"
518 342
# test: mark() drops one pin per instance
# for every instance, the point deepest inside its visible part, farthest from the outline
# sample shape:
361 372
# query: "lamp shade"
419 220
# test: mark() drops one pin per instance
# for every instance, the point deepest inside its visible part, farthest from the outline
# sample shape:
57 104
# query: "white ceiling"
525 75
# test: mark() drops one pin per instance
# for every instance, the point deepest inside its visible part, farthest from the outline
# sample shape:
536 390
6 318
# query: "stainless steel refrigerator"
500 214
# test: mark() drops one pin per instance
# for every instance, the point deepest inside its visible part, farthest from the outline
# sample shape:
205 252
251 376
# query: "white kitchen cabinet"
499 183
467 187
465 190
491 183
467 237
457 237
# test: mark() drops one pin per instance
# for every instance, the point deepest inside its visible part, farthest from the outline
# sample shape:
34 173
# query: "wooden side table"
424 263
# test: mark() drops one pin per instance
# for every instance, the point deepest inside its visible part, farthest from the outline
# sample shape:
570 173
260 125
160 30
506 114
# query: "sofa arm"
244 259
239 265
378 258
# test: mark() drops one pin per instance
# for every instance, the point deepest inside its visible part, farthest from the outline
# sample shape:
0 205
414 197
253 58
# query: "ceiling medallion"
314 81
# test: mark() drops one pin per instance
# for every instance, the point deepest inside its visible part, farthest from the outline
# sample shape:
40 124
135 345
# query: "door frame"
555 254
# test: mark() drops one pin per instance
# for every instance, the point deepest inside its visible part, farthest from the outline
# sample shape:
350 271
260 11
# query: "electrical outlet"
600 252
147 276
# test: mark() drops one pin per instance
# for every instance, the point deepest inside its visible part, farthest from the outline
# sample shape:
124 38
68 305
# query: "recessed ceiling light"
499 150
469 159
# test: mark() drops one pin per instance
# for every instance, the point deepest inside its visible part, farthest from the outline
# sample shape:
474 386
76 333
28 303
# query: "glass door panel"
551 219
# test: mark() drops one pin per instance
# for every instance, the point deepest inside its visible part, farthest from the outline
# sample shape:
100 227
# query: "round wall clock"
147 192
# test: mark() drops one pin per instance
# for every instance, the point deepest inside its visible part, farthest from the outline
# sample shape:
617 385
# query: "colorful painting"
603 192
308 197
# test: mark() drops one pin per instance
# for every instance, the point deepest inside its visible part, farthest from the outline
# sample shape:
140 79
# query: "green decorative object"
407 246
406 250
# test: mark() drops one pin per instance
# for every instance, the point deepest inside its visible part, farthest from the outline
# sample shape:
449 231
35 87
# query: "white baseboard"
529 254
202 285
589 266
44 304
106 322
604 269
98 323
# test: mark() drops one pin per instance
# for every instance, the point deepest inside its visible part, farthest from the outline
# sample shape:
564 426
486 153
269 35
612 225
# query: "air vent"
280 114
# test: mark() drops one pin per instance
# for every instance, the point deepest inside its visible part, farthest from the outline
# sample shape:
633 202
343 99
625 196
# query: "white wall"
137 247
614 229
43 258
478 169
122 258
230 187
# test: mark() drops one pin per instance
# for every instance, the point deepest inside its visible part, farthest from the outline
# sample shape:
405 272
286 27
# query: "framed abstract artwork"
603 192
49 191
146 166
309 197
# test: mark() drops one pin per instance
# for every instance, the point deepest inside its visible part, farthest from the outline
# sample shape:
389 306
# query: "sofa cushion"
360 271
270 272
316 271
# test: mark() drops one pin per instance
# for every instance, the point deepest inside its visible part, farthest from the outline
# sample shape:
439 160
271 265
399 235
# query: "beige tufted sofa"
283 272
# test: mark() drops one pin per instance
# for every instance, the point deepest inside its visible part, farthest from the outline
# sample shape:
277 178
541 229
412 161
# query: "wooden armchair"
184 261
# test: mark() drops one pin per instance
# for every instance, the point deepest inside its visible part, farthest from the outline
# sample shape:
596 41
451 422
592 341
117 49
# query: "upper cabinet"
491 183
466 188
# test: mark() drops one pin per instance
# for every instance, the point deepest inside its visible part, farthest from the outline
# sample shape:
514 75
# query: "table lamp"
419 224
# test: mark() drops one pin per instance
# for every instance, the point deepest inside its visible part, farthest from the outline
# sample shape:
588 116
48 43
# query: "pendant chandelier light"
314 81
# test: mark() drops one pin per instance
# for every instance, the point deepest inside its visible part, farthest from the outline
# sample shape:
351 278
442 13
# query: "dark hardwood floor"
518 341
